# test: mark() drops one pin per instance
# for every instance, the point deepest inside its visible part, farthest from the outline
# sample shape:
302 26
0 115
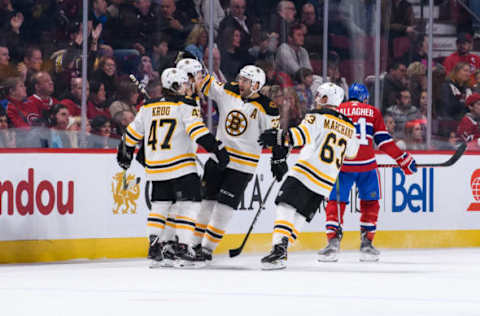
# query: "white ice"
404 282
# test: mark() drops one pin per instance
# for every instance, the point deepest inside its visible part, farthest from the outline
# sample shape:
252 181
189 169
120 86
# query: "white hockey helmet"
190 66
255 74
333 93
173 78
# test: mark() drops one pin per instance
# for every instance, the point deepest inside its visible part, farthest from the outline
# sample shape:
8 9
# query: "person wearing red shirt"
43 86
73 100
96 102
464 46
469 128
363 171
21 114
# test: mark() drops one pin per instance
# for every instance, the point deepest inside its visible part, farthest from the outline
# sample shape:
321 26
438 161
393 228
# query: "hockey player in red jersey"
363 171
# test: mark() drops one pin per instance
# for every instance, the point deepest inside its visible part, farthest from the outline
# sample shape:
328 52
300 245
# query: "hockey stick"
235 252
450 162
140 86
124 172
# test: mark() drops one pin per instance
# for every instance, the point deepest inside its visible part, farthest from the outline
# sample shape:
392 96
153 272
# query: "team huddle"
189 216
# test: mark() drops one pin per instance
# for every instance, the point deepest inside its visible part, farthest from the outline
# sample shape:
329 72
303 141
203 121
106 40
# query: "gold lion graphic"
125 198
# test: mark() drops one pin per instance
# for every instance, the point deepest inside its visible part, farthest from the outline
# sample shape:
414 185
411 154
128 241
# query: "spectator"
32 63
218 13
73 100
20 113
464 46
127 99
154 89
415 134
403 112
12 37
98 13
43 86
400 18
393 83
217 63
476 80
314 35
292 56
418 51
233 58
237 19
101 134
7 136
423 104
273 76
58 119
121 121
454 92
107 74
97 101
291 111
197 41
304 79
74 128
160 56
6 69
469 128
390 126
264 46
417 81
171 22
282 19
145 71
334 75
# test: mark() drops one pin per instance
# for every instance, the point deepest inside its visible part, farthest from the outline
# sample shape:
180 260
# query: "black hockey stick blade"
235 252
450 162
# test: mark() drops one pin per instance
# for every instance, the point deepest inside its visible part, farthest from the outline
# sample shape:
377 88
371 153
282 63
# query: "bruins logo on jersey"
236 123
125 200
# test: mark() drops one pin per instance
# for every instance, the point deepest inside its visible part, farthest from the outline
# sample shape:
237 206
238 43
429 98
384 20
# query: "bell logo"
475 185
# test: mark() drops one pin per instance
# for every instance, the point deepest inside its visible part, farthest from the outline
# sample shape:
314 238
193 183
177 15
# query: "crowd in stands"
40 63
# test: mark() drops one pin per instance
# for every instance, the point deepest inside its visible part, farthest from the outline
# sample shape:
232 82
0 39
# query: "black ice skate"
154 247
187 258
330 253
368 253
203 253
166 257
277 259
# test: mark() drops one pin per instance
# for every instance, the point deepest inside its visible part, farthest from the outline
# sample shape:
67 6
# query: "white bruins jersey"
169 128
241 122
327 137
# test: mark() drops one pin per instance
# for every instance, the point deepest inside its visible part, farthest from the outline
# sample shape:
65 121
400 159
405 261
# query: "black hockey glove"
124 155
222 156
271 137
278 163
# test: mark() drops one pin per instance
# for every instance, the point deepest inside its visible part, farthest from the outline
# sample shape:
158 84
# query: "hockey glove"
271 137
222 156
278 163
407 163
124 155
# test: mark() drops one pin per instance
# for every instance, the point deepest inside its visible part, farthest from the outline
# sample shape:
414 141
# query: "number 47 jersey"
327 136
169 128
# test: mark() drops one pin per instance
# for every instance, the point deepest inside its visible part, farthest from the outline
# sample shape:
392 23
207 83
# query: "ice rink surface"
404 282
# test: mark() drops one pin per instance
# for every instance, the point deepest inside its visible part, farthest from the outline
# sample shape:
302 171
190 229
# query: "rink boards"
61 205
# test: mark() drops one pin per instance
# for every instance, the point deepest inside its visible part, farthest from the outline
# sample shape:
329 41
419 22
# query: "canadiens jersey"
327 138
169 128
370 128
241 122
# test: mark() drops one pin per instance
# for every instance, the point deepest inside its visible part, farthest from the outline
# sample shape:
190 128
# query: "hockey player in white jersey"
243 115
327 136
168 127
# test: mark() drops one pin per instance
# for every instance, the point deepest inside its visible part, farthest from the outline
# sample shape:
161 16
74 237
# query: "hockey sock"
169 232
368 220
217 225
201 223
333 223
157 218
283 226
298 222
185 221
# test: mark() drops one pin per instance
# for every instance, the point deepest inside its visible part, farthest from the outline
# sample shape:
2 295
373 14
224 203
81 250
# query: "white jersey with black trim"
241 121
327 137
169 128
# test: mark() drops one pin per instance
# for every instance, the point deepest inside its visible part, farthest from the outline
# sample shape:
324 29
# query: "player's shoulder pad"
190 100
150 101
268 105
232 87
333 113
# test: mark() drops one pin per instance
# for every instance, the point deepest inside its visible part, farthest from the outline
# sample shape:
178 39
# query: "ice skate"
368 253
166 257
186 257
330 252
203 254
154 246
277 259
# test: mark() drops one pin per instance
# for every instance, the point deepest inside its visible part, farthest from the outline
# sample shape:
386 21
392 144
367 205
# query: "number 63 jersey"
169 128
327 137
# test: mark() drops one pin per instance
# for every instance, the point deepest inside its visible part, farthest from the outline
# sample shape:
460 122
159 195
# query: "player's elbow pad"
209 142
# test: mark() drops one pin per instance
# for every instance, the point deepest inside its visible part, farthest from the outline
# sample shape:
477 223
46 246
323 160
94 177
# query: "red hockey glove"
407 163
